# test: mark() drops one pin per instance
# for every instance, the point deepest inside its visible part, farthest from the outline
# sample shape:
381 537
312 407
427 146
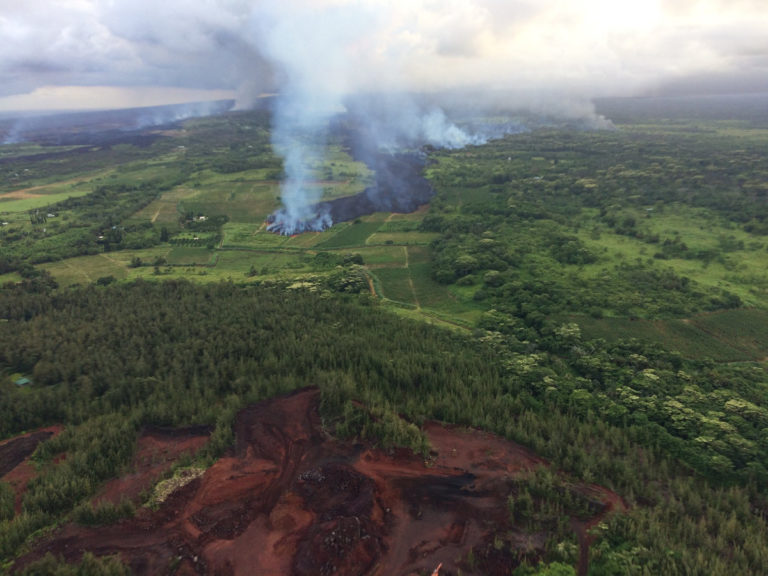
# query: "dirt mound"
290 500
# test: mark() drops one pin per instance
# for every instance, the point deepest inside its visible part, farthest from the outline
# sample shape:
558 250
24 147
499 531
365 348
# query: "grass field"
402 238
727 336
382 256
396 284
14 203
741 264
86 269
252 236
355 234
240 201
10 277
190 256
165 210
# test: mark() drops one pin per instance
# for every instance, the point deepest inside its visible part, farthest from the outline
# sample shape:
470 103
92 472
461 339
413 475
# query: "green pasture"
11 277
239 201
13 205
724 336
190 256
396 284
250 236
739 261
432 295
165 209
238 263
29 149
336 174
376 257
355 234
87 269
402 238
310 239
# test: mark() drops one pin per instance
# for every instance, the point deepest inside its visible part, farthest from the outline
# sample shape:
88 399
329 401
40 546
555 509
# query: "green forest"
597 296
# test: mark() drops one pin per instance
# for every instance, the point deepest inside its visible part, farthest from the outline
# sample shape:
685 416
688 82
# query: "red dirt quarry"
15 466
291 500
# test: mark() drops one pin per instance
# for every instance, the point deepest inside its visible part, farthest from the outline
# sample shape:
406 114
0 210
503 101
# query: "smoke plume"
319 56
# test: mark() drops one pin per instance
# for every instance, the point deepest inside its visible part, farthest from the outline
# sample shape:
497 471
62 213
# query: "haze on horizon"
79 54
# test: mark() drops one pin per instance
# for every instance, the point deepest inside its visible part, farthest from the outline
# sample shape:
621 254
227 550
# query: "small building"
23 381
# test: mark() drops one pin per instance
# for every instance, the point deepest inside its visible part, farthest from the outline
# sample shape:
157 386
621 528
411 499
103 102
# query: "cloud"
575 47
95 97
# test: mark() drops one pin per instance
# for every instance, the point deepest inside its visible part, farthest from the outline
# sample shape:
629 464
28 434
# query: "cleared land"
274 506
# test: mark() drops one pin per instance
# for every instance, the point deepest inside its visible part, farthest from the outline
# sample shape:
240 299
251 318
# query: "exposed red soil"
611 502
290 500
156 452
15 466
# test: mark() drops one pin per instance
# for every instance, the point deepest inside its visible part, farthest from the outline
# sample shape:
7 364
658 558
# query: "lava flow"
400 187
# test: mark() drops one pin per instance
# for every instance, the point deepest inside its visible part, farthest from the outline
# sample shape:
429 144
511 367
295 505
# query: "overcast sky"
65 54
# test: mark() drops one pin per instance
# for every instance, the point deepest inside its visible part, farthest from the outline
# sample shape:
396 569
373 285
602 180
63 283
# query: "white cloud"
592 47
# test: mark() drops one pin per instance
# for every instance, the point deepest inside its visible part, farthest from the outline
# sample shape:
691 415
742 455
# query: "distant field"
12 277
401 238
396 285
219 179
253 236
86 269
23 201
381 256
739 263
432 295
727 336
239 262
188 255
239 201
354 235
165 210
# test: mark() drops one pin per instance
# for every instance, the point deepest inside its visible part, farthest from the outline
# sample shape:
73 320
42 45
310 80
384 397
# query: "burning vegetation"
400 187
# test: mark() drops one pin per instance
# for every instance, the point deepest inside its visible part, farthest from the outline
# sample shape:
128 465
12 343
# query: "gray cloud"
579 48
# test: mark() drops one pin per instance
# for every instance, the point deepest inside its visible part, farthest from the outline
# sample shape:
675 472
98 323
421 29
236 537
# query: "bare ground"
15 465
291 500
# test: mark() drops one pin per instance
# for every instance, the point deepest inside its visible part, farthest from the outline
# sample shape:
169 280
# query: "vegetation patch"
354 234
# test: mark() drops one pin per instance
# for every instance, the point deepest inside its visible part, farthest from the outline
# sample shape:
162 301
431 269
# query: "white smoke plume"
308 50
317 55
320 55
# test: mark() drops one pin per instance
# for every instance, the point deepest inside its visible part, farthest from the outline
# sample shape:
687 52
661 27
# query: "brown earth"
32 191
21 194
291 500
15 465
158 449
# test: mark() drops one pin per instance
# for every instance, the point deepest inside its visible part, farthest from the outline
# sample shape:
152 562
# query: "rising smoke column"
318 54
333 56
311 50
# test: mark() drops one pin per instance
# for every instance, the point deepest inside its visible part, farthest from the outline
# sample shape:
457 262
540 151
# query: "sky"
75 54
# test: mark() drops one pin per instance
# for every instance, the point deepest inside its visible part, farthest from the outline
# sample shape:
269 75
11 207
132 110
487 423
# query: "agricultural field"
630 237
723 336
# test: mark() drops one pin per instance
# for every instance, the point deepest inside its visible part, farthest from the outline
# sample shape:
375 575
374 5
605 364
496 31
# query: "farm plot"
726 336
354 234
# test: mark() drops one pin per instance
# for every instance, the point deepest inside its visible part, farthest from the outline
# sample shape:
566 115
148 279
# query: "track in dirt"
291 500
